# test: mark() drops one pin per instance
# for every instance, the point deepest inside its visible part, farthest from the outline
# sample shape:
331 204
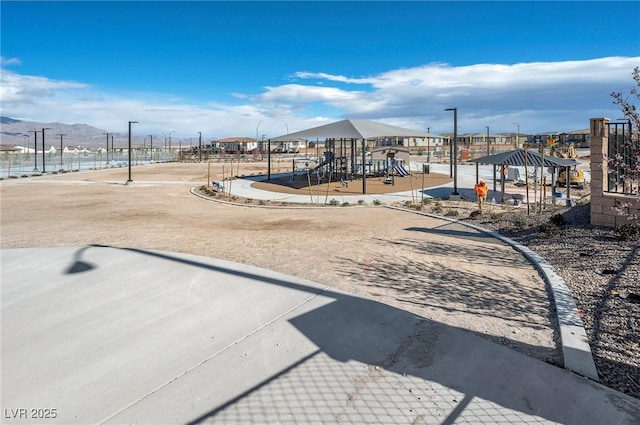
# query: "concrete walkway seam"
576 351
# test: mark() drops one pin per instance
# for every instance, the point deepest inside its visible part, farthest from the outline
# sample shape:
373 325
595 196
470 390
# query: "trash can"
426 168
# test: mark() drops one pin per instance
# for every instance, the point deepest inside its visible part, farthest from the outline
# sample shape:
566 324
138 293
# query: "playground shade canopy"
516 157
352 129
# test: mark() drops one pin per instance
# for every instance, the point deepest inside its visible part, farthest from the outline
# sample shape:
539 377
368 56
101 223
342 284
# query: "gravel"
602 272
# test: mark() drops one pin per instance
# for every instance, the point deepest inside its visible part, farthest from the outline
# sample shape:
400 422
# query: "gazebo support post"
364 168
526 177
494 177
269 159
502 181
568 186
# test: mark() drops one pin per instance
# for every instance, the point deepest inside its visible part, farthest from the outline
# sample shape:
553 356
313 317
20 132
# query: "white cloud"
9 61
539 96
16 88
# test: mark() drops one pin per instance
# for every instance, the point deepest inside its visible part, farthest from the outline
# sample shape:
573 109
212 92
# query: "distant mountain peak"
7 120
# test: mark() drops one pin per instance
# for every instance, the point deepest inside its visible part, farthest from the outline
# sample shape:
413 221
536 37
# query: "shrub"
345 204
262 202
451 213
475 214
248 200
496 217
426 201
377 202
628 232
520 223
203 187
360 201
334 202
550 229
558 220
437 207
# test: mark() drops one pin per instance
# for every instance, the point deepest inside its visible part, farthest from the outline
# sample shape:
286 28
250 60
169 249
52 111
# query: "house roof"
353 129
237 140
390 149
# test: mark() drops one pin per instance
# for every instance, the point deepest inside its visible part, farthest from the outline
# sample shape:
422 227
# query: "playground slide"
322 164
401 170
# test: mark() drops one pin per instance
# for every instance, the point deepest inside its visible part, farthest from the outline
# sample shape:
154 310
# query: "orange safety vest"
481 189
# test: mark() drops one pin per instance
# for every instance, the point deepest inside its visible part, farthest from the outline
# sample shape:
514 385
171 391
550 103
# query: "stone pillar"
599 146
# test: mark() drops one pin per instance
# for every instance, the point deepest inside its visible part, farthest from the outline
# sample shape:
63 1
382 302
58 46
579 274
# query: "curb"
575 345
194 191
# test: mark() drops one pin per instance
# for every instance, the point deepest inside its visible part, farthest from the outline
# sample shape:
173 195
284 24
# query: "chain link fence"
13 165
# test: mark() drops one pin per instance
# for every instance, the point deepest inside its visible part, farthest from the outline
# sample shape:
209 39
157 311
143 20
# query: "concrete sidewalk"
108 335
242 187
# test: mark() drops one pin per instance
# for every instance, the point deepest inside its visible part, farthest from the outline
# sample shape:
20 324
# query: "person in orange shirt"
482 190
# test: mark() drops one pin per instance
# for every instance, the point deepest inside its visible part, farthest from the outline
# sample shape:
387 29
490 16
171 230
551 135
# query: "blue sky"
225 68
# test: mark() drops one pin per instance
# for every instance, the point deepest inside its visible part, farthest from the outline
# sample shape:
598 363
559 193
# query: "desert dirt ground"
431 267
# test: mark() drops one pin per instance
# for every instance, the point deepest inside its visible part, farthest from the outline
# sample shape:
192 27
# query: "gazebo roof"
516 157
353 129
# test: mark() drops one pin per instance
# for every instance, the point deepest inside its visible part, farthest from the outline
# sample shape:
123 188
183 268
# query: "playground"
304 183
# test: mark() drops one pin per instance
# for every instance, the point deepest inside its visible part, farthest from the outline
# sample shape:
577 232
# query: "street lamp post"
489 153
35 150
488 142
428 144
130 122
107 134
144 143
200 146
518 135
26 144
43 164
455 150
61 150
257 128
172 131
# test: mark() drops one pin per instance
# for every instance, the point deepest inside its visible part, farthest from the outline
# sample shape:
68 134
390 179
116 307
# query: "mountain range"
13 132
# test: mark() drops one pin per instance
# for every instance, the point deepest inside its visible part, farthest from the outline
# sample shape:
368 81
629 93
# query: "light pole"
61 150
455 150
428 144
488 142
257 128
151 148
518 135
200 146
144 143
35 150
26 146
43 164
489 153
107 134
130 122
172 131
